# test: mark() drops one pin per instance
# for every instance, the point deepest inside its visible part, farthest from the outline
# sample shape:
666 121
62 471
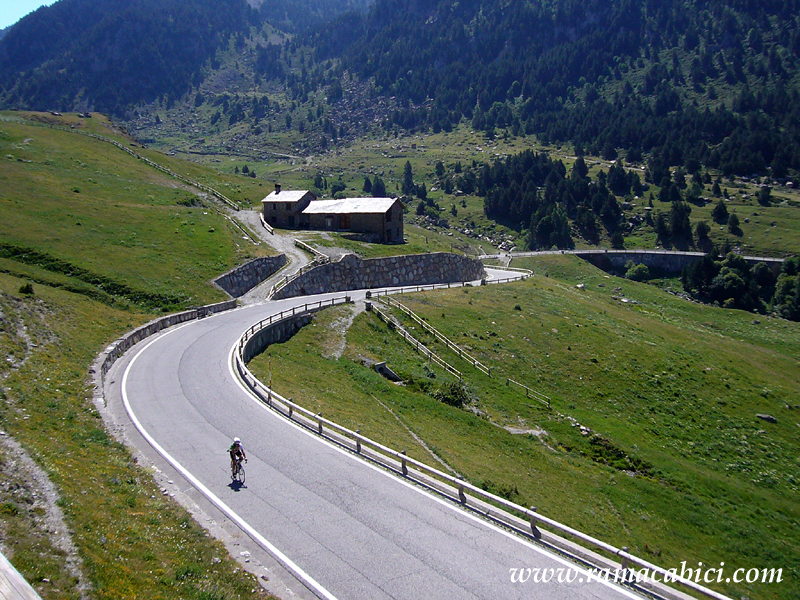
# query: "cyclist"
237 454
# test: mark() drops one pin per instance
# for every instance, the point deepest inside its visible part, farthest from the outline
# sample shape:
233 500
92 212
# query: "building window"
274 206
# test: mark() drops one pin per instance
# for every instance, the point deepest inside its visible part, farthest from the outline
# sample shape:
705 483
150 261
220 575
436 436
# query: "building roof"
350 206
286 196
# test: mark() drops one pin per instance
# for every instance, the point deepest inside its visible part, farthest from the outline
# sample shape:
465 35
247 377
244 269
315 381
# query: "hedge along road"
345 528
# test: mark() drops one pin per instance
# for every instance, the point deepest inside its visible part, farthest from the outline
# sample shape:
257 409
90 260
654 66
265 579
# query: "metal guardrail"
613 251
527 272
395 290
523 520
290 278
285 314
408 289
438 335
529 392
416 344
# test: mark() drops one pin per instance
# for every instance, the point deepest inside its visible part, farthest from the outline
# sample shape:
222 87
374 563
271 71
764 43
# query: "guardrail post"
358 442
462 497
534 524
269 396
319 423
291 411
404 464
624 561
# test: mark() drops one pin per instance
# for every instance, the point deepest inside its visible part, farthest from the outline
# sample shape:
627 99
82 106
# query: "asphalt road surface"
344 527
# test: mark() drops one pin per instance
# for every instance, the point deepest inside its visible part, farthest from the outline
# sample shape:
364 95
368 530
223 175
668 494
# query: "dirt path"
283 243
29 495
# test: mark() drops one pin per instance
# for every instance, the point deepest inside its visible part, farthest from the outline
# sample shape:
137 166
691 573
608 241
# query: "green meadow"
672 461
83 208
92 244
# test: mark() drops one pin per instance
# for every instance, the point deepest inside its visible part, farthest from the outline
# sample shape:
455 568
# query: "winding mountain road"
342 526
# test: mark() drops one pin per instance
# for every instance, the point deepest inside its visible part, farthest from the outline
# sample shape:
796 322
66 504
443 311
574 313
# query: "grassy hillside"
98 215
105 242
134 541
675 463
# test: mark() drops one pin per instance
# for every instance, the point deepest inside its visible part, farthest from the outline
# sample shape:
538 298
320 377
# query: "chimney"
277 188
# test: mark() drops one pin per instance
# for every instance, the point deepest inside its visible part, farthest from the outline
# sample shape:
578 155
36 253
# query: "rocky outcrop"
353 273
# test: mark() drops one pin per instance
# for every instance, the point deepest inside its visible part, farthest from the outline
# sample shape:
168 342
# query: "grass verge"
134 541
671 459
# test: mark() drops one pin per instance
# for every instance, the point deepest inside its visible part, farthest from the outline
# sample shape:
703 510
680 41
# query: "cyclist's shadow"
236 485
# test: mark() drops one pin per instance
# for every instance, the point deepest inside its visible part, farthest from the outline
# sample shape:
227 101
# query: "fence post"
534 528
404 464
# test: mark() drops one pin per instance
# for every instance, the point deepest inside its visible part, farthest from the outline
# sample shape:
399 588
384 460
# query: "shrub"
638 273
454 394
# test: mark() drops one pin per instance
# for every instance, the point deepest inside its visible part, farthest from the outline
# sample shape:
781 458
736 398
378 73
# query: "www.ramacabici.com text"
700 575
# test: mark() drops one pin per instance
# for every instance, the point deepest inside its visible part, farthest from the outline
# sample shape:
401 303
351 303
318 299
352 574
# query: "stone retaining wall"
278 332
670 263
240 280
353 273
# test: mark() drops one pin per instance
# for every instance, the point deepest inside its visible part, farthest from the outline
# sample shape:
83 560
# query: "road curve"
346 528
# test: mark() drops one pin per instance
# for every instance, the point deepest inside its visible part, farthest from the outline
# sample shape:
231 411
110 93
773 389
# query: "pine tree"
408 179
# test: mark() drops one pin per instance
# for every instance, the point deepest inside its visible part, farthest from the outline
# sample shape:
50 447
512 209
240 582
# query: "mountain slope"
109 56
106 56
675 77
681 82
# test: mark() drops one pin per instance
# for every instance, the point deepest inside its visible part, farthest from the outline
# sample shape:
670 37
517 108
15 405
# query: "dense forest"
695 82
679 82
729 281
302 15
109 55
531 191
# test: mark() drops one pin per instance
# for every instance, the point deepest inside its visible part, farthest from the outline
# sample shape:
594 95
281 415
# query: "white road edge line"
307 580
417 489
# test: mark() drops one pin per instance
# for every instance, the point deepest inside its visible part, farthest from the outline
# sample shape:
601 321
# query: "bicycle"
238 474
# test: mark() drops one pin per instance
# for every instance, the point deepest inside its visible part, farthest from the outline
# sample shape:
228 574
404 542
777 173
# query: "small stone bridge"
671 261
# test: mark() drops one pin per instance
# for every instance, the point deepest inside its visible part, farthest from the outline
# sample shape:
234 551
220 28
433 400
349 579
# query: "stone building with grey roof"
379 218
284 209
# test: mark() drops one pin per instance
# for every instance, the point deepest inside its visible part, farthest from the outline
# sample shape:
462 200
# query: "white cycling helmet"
236 440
